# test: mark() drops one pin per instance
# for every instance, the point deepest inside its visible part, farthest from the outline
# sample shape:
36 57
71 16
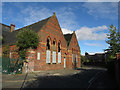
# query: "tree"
113 41
26 39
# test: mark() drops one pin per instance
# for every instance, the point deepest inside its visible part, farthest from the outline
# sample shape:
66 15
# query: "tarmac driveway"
78 80
86 78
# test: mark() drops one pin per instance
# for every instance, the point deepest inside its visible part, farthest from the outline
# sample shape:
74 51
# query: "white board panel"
48 56
38 56
54 57
59 57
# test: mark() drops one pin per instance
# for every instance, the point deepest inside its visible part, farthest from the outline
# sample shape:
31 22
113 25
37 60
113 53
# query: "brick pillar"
117 69
118 56
30 57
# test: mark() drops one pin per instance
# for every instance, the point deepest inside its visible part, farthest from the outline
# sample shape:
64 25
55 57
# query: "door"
75 63
64 62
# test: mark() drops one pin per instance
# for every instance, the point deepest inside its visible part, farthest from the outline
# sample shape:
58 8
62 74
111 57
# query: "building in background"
95 58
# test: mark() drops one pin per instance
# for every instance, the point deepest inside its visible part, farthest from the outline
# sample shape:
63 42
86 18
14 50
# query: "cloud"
107 10
86 33
66 31
65 15
35 14
93 44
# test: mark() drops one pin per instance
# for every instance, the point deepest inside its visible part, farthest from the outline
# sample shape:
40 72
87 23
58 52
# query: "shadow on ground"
79 80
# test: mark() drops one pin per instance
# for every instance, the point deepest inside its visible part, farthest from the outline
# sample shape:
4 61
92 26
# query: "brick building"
95 58
55 50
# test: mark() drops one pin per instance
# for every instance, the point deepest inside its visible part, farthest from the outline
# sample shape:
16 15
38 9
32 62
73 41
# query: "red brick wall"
52 30
74 46
14 54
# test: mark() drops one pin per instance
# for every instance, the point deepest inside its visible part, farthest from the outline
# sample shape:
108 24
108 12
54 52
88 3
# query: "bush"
111 67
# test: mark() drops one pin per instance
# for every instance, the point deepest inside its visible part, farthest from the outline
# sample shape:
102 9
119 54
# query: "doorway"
64 62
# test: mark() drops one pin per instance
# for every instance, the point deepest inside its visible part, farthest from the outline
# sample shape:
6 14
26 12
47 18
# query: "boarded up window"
59 52
48 56
54 57
38 56
59 57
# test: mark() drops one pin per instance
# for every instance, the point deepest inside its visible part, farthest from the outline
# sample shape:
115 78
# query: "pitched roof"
10 37
68 38
36 26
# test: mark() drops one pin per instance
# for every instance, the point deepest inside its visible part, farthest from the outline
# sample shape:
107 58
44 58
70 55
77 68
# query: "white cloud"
35 14
102 9
94 44
66 31
67 18
86 33
65 15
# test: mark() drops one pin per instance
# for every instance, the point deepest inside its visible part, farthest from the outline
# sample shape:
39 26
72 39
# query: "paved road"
83 78
86 79
103 80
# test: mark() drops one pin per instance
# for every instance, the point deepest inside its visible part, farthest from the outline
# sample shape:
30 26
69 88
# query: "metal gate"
12 65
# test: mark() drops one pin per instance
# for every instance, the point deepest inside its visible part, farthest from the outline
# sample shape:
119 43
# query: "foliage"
26 39
6 51
113 41
11 66
82 58
111 67
22 53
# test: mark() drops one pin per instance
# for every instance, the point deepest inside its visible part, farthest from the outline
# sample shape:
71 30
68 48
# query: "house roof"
10 37
68 38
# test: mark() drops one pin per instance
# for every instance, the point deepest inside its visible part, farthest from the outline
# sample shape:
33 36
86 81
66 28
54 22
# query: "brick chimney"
12 27
54 14
74 32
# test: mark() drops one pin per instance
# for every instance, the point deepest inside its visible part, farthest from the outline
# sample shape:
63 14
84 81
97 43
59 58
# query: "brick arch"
55 41
60 42
60 45
50 38
50 41
55 46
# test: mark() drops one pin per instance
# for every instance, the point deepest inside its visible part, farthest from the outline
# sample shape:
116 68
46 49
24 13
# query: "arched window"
48 52
54 45
59 47
54 52
59 52
48 44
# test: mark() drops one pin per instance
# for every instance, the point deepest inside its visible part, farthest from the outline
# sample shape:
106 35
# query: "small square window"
38 56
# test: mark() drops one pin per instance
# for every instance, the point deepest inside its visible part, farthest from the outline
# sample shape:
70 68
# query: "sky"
89 20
